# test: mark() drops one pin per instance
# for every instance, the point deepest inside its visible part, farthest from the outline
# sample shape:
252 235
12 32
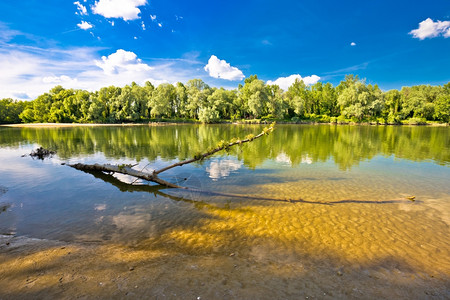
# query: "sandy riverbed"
37 269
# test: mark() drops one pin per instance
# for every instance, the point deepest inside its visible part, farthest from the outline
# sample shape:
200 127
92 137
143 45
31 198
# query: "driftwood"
127 170
153 176
41 153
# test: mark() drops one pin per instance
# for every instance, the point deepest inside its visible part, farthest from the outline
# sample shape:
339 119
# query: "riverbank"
240 122
36 268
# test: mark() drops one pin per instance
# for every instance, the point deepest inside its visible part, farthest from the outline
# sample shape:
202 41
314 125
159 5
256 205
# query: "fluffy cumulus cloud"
286 82
84 25
352 44
430 29
221 69
125 9
122 61
81 8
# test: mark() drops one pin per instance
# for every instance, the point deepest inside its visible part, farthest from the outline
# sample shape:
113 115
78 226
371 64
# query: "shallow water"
303 197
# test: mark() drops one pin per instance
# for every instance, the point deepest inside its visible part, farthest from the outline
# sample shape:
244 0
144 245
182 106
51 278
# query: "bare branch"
223 145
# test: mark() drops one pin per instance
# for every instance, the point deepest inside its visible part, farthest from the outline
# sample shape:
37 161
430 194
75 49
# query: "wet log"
127 170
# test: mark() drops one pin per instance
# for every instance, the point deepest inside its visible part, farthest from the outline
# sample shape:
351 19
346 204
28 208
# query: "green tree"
254 96
442 108
276 105
162 101
297 95
181 101
197 95
357 100
220 103
328 102
10 110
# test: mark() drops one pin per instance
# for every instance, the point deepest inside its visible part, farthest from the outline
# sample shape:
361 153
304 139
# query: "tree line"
352 100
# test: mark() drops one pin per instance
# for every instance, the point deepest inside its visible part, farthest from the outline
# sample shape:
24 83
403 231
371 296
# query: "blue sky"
89 44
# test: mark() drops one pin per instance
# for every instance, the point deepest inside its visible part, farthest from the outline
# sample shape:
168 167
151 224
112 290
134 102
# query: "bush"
312 117
295 119
381 121
268 117
208 115
393 119
324 119
417 121
341 120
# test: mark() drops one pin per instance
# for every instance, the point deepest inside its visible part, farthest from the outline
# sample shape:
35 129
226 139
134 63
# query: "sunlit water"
320 195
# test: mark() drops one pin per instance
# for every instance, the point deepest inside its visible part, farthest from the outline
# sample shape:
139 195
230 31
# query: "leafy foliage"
352 100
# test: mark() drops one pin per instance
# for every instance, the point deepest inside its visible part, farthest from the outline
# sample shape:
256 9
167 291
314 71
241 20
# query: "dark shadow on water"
163 191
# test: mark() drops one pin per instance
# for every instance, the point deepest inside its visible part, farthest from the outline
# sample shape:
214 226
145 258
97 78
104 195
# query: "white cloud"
34 70
286 82
160 24
143 25
122 61
81 8
84 25
153 17
352 44
7 34
58 79
221 69
430 29
125 9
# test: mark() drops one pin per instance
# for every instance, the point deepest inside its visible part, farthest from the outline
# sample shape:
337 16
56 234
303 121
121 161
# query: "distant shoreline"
56 125
70 124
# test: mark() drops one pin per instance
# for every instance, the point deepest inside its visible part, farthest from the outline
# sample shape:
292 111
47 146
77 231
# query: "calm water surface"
346 186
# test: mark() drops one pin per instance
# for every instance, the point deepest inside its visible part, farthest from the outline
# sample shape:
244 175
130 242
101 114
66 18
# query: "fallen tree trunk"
127 170
153 176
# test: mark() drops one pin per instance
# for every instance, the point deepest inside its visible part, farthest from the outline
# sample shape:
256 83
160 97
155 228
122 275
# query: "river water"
303 198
